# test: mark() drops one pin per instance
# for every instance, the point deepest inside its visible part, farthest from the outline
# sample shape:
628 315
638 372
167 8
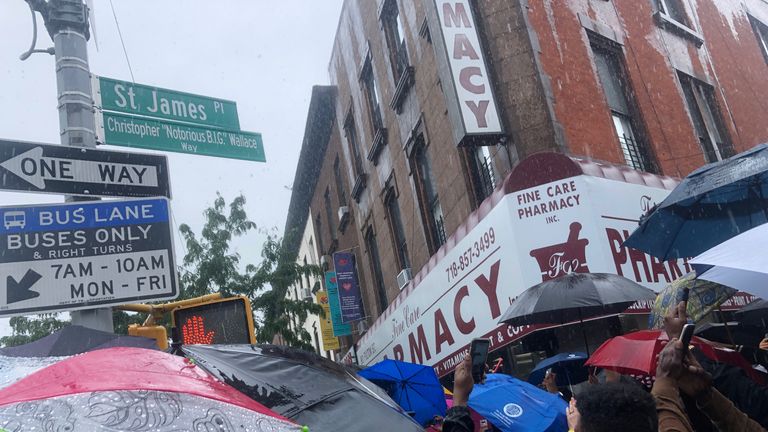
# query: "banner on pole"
339 328
350 300
330 343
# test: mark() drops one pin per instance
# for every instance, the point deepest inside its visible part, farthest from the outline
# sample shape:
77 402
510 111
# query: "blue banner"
350 300
339 328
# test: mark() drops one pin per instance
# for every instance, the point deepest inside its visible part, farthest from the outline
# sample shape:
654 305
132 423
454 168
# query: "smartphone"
685 337
478 351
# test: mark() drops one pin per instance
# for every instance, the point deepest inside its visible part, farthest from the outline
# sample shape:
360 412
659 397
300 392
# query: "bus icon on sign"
14 219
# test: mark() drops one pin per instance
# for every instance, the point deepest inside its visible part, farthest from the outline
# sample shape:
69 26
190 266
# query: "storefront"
553 215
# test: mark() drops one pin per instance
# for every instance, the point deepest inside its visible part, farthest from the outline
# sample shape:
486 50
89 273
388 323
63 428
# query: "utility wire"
122 42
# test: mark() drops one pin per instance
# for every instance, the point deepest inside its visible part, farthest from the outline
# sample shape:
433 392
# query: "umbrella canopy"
304 387
118 389
711 205
737 262
703 298
75 339
13 369
414 387
635 353
569 368
755 313
514 405
575 297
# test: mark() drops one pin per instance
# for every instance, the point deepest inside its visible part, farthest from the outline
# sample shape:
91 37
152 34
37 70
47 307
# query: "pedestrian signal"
223 321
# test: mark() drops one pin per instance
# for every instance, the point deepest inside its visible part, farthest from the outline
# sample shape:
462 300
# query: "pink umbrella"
119 389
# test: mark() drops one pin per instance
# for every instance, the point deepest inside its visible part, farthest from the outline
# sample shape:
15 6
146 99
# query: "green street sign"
138 99
139 132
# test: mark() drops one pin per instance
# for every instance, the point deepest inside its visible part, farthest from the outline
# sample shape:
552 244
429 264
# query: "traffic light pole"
67 24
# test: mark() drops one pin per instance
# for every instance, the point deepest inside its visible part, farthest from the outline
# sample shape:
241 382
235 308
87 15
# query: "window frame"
483 175
328 204
341 191
761 33
353 143
634 148
702 95
684 27
425 186
372 98
374 260
396 228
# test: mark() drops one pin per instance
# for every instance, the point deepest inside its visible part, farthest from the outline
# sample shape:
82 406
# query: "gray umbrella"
573 298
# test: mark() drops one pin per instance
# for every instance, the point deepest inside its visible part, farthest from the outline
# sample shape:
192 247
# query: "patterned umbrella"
704 296
118 389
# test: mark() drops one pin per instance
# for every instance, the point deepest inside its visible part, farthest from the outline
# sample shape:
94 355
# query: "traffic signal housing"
222 321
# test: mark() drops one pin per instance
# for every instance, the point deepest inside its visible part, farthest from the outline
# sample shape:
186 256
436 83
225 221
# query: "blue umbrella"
514 405
714 203
569 368
414 387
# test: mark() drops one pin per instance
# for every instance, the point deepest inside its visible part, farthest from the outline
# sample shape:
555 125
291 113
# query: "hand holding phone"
478 351
685 337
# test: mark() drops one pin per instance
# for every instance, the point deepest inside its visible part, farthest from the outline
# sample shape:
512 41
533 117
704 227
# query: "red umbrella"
635 353
131 389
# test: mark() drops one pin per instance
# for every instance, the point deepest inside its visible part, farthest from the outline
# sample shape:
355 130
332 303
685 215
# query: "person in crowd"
730 381
613 407
458 419
677 373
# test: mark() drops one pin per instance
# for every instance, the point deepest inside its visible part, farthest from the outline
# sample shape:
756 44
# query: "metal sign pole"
67 23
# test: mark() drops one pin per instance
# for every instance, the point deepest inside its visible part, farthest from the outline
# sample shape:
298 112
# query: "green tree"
29 329
210 266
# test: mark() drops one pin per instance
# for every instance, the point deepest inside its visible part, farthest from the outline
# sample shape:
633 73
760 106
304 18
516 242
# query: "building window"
675 10
339 182
612 76
373 104
429 202
350 133
393 31
482 172
706 119
319 225
375 264
306 275
329 215
372 99
396 229
761 32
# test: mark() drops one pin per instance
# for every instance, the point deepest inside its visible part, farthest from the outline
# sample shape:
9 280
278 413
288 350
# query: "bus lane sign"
80 255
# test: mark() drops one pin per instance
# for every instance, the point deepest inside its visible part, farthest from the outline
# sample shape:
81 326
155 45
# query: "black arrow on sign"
20 291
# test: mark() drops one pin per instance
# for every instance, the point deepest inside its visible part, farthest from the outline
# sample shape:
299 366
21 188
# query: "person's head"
615 407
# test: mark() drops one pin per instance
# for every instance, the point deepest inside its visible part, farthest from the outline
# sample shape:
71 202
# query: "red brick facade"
550 97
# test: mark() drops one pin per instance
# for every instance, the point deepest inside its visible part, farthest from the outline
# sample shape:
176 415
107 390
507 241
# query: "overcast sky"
265 55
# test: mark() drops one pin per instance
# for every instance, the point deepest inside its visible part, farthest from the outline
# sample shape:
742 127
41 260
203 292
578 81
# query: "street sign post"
129 131
81 255
138 99
31 167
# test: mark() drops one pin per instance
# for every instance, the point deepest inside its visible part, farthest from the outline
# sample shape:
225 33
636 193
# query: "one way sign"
58 169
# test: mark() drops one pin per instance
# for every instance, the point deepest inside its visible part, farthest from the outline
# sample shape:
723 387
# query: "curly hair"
616 407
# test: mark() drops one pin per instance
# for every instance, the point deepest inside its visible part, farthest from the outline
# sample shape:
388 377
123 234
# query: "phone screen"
478 351
685 337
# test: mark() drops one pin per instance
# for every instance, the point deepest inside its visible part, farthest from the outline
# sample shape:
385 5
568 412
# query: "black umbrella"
711 205
304 387
755 313
575 297
75 339
732 333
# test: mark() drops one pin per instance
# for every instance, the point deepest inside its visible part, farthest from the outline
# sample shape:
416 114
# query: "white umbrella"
739 263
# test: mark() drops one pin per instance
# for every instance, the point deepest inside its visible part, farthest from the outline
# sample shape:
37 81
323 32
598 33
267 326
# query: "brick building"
439 103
